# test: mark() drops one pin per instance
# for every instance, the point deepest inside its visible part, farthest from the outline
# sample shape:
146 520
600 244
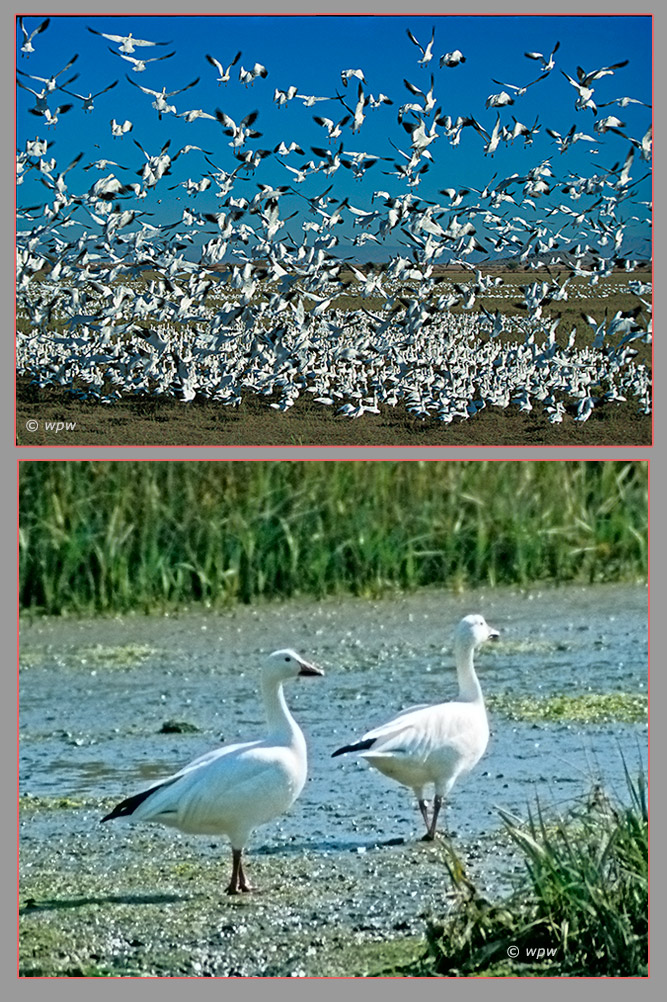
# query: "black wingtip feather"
130 804
357 746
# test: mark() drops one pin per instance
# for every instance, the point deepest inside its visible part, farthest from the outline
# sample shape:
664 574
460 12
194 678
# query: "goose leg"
430 826
243 883
238 881
437 804
423 809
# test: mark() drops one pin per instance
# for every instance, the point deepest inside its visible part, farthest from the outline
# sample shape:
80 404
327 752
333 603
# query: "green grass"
582 912
118 536
586 708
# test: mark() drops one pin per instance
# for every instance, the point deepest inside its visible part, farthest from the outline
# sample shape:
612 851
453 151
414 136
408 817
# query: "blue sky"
310 52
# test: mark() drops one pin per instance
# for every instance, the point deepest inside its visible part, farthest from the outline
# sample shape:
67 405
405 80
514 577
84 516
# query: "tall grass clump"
115 536
582 912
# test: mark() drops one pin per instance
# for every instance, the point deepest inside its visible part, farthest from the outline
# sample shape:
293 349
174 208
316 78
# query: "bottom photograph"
333 719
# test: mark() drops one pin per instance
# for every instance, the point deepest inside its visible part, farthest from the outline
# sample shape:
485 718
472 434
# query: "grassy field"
152 420
106 536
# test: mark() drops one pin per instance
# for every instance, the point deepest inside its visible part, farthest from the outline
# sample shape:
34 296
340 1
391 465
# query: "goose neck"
281 722
469 688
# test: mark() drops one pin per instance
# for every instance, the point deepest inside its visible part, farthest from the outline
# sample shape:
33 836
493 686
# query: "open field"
278 399
155 421
460 276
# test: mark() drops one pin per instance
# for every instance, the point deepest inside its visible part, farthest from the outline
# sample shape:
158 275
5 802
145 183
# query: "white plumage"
434 745
233 789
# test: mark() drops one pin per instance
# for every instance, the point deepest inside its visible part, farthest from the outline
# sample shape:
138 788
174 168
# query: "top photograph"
334 230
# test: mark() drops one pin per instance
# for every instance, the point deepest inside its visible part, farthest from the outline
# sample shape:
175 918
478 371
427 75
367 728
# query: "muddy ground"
156 421
345 886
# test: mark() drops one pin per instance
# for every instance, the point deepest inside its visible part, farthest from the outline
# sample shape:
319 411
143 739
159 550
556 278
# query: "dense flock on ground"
243 295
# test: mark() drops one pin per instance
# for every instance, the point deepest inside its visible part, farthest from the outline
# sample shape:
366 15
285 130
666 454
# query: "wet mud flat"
345 886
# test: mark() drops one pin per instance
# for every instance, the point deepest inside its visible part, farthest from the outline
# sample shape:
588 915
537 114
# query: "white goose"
27 46
233 789
435 744
126 43
224 75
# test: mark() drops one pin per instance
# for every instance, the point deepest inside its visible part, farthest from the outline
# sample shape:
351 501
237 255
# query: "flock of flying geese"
235 788
226 300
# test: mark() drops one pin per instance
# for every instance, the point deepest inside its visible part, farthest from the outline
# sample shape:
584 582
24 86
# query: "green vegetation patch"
586 708
31 804
95 657
583 911
124 656
124 536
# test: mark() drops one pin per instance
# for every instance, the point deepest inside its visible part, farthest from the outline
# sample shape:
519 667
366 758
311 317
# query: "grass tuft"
582 911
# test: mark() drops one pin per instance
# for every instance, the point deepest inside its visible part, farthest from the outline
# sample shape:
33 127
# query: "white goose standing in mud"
233 789
434 745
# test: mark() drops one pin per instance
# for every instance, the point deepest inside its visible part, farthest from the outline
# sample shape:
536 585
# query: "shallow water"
97 692
94 695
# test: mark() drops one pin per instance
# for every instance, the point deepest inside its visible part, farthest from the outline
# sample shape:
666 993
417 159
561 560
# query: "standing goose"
233 789
435 744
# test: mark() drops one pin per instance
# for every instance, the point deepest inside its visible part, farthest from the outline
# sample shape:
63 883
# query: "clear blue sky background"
310 52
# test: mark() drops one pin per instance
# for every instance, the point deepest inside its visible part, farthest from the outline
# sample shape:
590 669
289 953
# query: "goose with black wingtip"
435 745
234 789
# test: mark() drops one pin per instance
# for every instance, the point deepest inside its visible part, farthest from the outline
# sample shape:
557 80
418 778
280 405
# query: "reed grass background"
101 537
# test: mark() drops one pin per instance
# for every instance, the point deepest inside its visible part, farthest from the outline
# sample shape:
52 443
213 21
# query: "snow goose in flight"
548 62
584 91
127 43
284 149
281 97
427 53
609 123
586 79
429 102
51 83
235 788
357 114
160 103
623 102
194 114
239 133
310 100
346 74
27 46
376 102
564 142
452 58
224 75
51 117
249 76
87 99
520 91
41 97
139 65
118 129
427 745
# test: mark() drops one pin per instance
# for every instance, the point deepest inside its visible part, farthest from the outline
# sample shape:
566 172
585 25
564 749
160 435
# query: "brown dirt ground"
155 421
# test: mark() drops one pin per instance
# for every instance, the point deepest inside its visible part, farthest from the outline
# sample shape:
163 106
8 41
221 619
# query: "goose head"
472 631
286 663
